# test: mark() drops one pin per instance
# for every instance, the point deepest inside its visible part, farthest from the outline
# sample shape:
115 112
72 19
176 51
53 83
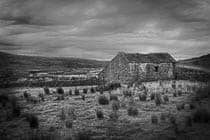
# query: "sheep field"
124 126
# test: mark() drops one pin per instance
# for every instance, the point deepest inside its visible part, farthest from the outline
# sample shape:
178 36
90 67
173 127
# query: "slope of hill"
22 63
202 62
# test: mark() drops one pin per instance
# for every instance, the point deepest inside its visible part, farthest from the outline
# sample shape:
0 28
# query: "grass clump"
142 97
201 115
154 119
113 97
33 120
132 111
85 90
158 99
99 114
103 100
46 91
76 91
127 93
152 96
60 90
115 105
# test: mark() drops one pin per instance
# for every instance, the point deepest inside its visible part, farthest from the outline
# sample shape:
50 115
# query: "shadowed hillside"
203 62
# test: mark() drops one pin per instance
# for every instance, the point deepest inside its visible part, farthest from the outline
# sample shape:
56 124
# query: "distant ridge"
202 62
23 63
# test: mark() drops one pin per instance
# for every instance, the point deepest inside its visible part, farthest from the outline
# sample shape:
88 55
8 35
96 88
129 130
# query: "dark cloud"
100 28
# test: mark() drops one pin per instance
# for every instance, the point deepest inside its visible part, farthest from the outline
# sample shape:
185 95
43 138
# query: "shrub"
132 111
180 106
113 97
127 93
85 90
92 90
152 96
70 92
46 90
142 97
154 119
99 114
103 100
201 115
33 120
69 123
165 98
158 99
60 90
76 92
113 116
115 105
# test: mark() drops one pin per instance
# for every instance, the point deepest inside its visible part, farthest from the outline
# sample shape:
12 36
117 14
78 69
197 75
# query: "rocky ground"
125 127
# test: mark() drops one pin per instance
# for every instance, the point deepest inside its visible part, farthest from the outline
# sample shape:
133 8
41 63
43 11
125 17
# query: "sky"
99 29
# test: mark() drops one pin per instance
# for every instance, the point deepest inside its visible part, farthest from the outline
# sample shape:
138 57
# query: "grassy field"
151 122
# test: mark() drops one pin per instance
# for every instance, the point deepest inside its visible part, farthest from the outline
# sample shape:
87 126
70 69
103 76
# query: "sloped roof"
150 58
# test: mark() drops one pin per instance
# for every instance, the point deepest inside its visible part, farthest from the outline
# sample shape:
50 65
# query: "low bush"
154 119
201 115
99 114
103 100
132 111
115 105
46 90
60 90
142 97
113 97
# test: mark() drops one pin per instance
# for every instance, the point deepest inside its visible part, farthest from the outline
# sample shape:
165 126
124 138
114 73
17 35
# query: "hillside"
21 63
202 61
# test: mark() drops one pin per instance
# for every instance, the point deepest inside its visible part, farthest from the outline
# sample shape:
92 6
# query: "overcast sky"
98 29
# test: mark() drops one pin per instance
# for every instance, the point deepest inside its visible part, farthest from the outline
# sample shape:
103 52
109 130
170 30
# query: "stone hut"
127 68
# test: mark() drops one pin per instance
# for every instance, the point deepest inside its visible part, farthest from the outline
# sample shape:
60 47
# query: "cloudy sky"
98 29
